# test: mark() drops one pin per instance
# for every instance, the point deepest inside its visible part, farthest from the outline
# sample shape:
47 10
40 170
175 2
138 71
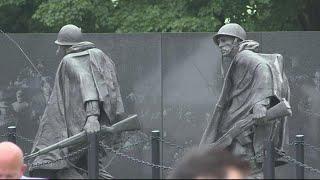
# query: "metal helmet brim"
64 43
69 35
231 29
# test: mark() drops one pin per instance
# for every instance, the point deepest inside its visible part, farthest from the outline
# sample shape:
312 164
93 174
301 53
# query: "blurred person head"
11 161
204 163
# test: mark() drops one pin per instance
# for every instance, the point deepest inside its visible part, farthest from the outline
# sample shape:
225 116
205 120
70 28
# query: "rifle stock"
125 125
128 124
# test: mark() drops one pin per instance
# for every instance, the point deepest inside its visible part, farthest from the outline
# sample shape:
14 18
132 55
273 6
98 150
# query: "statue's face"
61 52
40 66
226 45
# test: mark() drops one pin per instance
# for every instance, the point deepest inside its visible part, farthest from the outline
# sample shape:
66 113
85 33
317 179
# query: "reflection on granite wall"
299 50
190 88
178 74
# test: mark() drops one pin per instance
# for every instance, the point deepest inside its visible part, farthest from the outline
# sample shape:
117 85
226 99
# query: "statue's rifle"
281 109
130 123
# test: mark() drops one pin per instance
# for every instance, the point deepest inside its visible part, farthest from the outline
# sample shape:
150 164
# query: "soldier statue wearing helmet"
86 95
68 35
228 38
253 84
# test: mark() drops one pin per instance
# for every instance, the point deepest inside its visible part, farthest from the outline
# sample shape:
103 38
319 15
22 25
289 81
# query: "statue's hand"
92 125
259 111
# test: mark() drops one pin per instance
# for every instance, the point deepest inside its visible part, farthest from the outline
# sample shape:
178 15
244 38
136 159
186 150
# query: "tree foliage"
158 15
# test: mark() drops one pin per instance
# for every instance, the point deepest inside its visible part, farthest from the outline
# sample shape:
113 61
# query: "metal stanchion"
299 148
93 167
12 134
155 142
268 163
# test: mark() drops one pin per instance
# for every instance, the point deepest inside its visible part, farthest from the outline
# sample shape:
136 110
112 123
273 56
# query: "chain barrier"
135 144
181 147
312 147
73 154
315 148
294 161
70 155
125 148
170 143
254 157
134 159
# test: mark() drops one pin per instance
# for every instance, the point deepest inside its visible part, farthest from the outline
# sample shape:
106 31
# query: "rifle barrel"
73 140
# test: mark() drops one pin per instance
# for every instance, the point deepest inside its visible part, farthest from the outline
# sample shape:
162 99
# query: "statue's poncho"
251 78
84 74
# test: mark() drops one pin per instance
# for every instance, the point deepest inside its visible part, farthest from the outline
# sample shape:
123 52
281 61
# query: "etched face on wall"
46 87
316 79
20 96
1 95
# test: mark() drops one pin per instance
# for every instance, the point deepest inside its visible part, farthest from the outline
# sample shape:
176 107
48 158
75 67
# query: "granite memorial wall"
178 74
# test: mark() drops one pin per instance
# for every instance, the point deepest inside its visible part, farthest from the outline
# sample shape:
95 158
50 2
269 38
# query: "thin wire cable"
19 47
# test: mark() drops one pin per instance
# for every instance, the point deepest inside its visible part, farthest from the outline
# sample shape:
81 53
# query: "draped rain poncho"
251 78
84 74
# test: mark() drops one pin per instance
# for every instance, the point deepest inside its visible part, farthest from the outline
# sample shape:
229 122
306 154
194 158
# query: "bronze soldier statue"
85 96
254 84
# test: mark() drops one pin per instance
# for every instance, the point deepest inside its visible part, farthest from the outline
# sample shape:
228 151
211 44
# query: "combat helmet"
69 35
231 29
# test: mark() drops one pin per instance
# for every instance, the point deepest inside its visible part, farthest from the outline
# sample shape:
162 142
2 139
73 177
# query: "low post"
93 167
12 134
299 148
155 143
268 163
